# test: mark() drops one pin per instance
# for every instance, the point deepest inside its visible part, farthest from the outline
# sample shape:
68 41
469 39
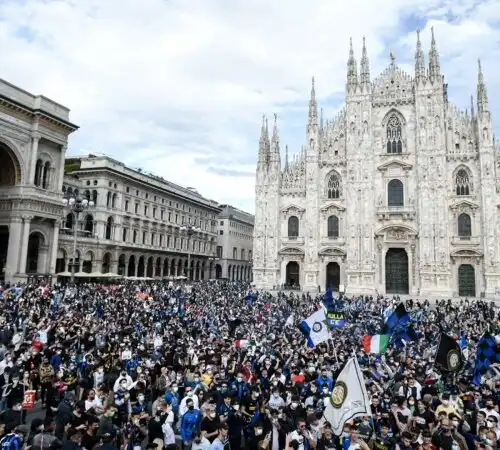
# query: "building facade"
33 140
398 193
136 226
234 244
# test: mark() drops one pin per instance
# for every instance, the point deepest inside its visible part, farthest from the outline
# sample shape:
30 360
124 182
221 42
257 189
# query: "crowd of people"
154 365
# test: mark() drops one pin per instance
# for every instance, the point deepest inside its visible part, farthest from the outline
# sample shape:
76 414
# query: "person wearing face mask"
240 387
447 438
489 408
323 380
237 423
172 397
190 396
423 418
210 424
276 401
190 422
256 439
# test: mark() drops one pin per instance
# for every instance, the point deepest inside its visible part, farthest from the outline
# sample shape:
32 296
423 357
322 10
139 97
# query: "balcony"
293 240
466 241
406 212
332 241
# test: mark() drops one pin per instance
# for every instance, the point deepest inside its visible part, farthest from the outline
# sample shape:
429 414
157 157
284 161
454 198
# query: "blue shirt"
189 424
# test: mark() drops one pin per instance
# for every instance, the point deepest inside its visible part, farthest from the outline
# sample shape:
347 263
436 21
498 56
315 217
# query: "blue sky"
178 87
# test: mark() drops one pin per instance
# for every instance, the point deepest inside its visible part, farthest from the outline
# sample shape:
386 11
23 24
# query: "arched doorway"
106 263
173 267
333 276
10 169
466 281
35 241
131 266
396 271
87 262
60 261
293 274
121 265
158 267
140 267
149 271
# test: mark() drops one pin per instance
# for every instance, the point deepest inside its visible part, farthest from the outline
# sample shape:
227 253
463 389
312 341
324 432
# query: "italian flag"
375 344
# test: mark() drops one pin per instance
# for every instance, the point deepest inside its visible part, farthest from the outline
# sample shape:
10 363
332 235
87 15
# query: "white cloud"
178 87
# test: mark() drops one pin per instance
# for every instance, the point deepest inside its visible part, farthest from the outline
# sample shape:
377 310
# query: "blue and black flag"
449 355
487 354
399 318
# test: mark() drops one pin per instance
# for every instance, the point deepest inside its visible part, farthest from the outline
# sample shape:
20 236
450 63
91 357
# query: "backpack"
11 442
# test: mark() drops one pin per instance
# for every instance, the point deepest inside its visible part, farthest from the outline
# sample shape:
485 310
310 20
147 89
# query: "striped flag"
375 344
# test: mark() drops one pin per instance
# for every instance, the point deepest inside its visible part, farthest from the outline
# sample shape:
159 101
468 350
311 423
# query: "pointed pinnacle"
433 39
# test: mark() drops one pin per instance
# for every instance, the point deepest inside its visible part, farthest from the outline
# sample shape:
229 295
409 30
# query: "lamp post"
189 230
74 205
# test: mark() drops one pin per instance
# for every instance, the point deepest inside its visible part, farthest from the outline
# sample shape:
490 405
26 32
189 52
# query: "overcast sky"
178 87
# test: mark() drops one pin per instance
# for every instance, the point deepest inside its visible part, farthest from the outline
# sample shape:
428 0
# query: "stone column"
35 139
13 250
54 247
24 243
58 187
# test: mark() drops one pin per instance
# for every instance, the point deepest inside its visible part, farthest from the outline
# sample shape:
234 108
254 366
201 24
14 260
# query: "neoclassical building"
34 134
234 244
398 193
136 227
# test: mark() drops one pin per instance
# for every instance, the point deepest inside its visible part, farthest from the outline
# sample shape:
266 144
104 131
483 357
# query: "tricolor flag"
375 344
315 328
348 399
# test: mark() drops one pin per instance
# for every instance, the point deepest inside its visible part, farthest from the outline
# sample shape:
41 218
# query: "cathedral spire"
419 61
286 157
275 142
313 106
365 67
482 94
434 65
352 69
262 141
321 121
472 107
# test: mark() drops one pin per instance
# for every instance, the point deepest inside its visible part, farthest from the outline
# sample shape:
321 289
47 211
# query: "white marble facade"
33 140
398 193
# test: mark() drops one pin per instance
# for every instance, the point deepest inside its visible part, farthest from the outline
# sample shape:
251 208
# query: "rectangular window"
137 208
175 242
153 238
219 251
144 237
124 235
221 223
168 241
162 214
135 236
221 232
126 205
154 213
146 211
161 240
235 253
170 217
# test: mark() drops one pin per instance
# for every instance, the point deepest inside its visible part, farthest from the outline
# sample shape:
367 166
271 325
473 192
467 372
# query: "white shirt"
168 432
276 402
96 403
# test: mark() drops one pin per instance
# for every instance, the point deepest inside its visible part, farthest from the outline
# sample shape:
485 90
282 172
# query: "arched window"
94 197
76 192
333 227
38 173
109 228
108 200
68 223
46 175
114 200
462 183
395 193
89 223
464 225
394 135
86 195
333 186
293 227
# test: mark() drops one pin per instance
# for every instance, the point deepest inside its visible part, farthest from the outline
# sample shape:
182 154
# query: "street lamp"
189 230
74 205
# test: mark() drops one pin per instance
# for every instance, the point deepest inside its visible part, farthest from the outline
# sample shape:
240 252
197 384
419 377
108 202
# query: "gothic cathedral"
397 194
